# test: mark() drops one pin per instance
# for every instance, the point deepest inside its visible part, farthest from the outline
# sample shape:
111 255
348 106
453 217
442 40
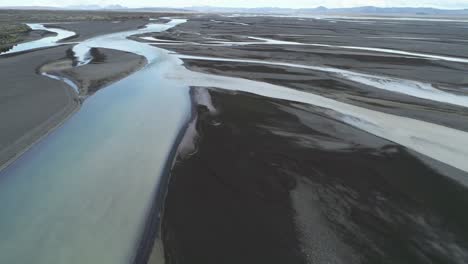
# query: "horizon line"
229 7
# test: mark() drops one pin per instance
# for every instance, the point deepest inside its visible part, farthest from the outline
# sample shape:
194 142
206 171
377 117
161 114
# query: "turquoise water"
82 194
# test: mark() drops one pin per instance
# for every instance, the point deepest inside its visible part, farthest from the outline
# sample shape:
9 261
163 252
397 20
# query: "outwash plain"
200 138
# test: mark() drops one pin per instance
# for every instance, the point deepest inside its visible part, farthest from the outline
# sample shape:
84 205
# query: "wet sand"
31 104
203 37
34 104
106 67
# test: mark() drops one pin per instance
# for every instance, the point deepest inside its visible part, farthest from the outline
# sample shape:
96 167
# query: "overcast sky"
450 4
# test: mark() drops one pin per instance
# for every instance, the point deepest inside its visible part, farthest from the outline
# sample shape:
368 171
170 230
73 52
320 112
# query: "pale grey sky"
450 4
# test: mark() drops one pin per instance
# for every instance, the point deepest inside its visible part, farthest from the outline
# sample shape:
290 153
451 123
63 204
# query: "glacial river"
82 194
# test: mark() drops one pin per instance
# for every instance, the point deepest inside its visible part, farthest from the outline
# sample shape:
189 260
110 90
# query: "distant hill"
30 7
363 10
99 8
387 10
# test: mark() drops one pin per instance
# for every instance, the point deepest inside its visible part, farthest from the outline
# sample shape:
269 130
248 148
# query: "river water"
43 42
82 194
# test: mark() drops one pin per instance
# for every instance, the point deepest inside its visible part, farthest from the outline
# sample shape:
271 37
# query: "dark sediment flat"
341 90
41 16
273 181
224 215
26 37
432 38
276 182
30 104
107 66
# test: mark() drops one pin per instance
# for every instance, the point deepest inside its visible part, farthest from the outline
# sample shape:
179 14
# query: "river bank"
32 106
276 181
37 104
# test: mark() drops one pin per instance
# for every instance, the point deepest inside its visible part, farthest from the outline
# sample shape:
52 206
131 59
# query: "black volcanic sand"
41 16
450 36
89 29
279 182
30 104
450 76
106 67
339 89
26 37
445 74
202 30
